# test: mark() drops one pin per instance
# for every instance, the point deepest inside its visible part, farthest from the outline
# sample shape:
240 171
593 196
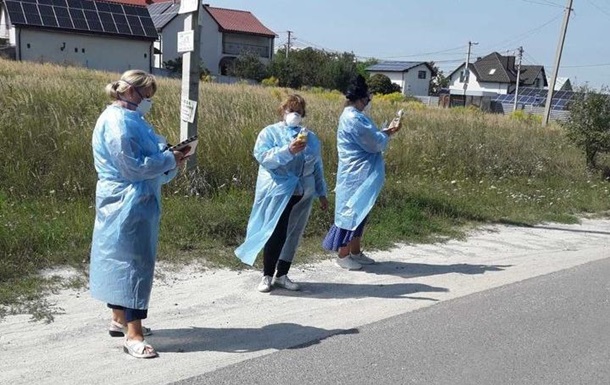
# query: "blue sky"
418 30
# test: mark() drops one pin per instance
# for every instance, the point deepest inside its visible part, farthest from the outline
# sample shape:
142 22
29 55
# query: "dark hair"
357 88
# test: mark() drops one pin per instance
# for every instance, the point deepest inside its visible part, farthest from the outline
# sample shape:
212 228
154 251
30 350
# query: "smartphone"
399 115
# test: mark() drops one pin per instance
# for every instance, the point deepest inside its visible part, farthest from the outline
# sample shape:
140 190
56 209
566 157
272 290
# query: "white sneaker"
362 259
265 285
286 283
348 263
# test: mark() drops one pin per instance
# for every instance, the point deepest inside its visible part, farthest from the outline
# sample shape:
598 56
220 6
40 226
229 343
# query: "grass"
447 170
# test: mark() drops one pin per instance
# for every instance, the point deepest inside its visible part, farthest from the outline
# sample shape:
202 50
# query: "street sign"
187 110
186 41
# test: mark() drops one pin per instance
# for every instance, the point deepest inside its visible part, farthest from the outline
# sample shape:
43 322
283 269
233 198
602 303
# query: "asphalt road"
552 329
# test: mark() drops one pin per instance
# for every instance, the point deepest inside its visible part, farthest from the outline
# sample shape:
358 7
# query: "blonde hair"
133 78
293 103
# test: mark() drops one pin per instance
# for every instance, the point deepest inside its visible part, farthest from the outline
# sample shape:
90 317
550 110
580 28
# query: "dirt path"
207 320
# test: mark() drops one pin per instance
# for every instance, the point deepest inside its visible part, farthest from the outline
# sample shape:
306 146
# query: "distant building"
493 75
92 34
412 77
561 84
225 34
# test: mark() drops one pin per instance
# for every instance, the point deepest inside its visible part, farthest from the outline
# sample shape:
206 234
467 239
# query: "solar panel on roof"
16 12
83 15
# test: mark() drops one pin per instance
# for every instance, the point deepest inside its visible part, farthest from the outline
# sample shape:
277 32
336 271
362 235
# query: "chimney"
511 63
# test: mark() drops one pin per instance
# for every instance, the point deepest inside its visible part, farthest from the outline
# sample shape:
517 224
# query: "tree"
588 125
313 68
381 84
248 66
438 80
363 65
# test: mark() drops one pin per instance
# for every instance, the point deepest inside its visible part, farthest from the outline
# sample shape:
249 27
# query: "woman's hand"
394 127
179 156
296 146
323 203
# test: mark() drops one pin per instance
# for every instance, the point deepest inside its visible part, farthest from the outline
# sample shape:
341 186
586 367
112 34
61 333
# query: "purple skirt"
338 237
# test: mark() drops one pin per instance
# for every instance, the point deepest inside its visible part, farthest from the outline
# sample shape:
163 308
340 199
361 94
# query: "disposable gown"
361 169
131 165
281 175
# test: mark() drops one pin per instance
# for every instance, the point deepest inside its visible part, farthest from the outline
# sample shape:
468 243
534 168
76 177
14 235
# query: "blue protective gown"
281 175
131 165
361 170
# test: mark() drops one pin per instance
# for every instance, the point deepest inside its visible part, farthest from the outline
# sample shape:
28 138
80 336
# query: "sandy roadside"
210 319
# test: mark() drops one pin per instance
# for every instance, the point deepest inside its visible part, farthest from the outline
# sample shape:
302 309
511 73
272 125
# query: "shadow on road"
329 290
241 340
572 230
544 227
411 270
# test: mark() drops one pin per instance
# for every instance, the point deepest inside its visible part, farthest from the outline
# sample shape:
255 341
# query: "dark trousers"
273 247
131 314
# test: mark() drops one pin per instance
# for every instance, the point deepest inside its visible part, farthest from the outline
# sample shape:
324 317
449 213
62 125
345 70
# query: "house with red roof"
225 34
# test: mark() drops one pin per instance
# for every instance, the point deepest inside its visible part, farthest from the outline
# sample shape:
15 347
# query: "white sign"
186 41
187 110
187 6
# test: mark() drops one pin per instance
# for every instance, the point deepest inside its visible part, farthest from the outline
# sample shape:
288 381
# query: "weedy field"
447 171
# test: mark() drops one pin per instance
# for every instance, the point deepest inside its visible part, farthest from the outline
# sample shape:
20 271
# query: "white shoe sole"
364 262
348 267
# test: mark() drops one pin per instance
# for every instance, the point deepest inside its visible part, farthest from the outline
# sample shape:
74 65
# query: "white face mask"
367 109
144 106
292 119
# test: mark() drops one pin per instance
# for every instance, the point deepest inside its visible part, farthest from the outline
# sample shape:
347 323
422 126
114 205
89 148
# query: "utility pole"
288 43
466 70
562 37
188 44
518 78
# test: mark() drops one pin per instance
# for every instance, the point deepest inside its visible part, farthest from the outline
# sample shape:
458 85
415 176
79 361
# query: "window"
421 74
83 50
462 76
492 71
537 83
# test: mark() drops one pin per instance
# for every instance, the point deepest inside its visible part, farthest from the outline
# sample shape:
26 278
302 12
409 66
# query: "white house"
494 74
225 34
412 77
561 84
92 34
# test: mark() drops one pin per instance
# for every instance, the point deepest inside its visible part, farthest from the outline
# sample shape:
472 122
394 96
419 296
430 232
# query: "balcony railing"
238 49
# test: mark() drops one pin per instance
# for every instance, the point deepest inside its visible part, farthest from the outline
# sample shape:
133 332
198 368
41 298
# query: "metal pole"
518 78
190 80
562 37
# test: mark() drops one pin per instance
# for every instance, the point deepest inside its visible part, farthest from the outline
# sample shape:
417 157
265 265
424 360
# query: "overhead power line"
543 2
598 7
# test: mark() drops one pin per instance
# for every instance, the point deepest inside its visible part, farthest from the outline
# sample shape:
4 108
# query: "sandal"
139 349
118 330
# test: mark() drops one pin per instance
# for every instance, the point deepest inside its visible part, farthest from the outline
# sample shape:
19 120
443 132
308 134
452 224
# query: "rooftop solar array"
537 98
394 66
83 15
163 13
